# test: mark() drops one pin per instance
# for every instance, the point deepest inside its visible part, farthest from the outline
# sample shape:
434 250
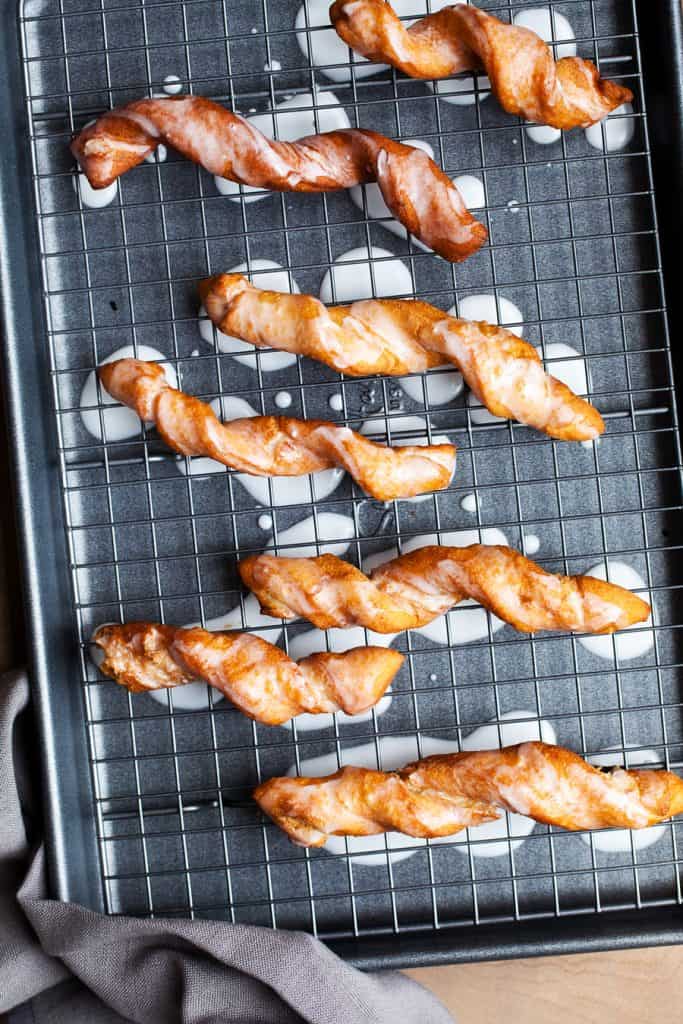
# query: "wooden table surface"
633 987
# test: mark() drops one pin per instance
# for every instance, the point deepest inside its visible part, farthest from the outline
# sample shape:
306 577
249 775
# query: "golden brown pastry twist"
275 445
415 588
441 795
524 75
399 336
259 678
415 189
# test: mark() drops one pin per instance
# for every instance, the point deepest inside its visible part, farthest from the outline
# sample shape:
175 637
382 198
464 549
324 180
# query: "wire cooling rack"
574 245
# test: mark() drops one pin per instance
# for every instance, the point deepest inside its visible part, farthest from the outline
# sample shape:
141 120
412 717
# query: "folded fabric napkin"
70 965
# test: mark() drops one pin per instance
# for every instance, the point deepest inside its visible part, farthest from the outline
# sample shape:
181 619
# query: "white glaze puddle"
283 399
265 522
485 307
119 421
193 696
624 840
442 386
635 641
462 91
158 156
299 541
472 191
543 134
469 503
323 47
290 120
465 624
571 372
549 25
489 840
614 131
369 199
264 274
274 65
95 198
364 273
530 544
337 640
172 85
336 402
271 491
404 430
313 723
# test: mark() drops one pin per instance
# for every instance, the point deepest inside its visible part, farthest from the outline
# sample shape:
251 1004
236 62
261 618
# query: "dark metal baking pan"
141 814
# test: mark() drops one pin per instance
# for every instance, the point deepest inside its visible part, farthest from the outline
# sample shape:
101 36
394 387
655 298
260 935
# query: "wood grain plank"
629 987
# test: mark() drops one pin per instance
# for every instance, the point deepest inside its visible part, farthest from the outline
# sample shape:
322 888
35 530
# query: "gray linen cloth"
69 965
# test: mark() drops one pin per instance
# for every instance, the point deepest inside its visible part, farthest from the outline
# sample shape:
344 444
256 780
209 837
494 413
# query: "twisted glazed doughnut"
275 445
415 588
417 192
524 76
259 678
441 795
398 336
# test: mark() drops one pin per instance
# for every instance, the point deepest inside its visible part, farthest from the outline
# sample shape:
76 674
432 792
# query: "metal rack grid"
574 245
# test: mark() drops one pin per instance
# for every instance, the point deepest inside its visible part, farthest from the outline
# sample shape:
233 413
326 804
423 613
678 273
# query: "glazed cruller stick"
275 445
400 336
413 589
415 189
258 677
443 794
567 93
